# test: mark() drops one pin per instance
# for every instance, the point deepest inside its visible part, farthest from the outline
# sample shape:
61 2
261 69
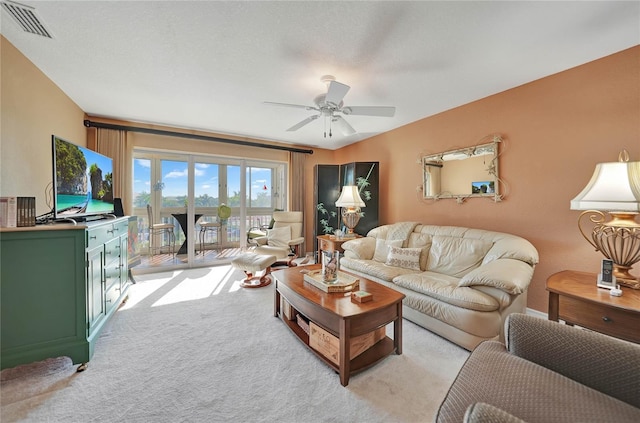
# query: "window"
259 183
163 180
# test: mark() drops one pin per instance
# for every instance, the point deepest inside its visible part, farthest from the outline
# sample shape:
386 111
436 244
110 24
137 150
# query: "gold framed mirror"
463 173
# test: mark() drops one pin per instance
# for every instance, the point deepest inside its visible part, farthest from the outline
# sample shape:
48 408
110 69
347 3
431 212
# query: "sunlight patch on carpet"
147 285
187 285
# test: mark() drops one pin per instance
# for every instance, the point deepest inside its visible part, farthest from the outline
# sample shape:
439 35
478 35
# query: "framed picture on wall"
482 187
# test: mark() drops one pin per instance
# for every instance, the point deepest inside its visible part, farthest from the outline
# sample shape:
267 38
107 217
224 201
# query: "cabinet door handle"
607 319
93 237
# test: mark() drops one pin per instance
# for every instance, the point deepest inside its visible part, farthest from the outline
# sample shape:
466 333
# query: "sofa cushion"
401 230
382 248
420 241
279 237
509 275
373 269
512 247
445 288
409 258
456 256
360 248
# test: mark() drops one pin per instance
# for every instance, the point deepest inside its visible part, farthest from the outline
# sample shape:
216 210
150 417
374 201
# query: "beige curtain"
296 177
296 166
113 143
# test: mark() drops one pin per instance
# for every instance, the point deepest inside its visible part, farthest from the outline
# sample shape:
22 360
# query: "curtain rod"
90 124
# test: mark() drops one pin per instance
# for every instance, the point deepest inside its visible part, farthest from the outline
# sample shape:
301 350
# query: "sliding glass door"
187 190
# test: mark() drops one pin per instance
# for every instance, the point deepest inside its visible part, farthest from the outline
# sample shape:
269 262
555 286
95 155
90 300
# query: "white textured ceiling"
210 65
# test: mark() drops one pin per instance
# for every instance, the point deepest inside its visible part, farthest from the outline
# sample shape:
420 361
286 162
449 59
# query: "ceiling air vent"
26 17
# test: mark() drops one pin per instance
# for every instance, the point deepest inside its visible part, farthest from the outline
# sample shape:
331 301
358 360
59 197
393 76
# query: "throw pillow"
382 248
407 258
279 237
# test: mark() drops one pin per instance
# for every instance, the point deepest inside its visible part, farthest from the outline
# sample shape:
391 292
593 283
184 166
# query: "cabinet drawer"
112 273
112 250
111 297
102 233
120 228
97 236
598 317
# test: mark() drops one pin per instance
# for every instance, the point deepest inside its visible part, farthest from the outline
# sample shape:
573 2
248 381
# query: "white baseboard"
537 313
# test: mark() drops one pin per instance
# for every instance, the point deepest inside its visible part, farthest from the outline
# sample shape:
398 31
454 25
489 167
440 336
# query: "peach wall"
556 130
33 108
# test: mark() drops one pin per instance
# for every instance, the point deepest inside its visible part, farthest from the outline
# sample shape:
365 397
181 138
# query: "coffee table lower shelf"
348 336
368 358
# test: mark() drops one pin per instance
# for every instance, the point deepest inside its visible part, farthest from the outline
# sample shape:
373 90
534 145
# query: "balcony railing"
230 235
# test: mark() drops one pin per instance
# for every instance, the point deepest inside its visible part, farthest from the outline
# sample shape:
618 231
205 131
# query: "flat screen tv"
82 180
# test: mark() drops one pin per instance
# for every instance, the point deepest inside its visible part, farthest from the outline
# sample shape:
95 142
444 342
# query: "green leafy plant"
362 184
325 221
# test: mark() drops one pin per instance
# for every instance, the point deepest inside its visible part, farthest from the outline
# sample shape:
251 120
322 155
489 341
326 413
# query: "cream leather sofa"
459 283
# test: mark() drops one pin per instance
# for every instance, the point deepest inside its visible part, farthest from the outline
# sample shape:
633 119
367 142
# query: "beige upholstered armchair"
546 372
284 239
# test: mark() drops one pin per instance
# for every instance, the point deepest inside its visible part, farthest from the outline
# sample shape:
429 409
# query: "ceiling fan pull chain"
330 119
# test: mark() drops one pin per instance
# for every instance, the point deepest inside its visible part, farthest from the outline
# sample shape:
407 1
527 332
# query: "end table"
575 298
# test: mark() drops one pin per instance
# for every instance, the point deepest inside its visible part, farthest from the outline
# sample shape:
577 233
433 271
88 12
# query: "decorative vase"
330 266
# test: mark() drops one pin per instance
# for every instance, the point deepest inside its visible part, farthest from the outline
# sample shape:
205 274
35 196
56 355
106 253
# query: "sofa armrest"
509 275
360 248
481 412
598 361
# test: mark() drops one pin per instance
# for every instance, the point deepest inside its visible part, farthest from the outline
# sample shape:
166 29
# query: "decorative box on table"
329 345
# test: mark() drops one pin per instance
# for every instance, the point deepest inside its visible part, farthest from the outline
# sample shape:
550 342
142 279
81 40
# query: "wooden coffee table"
341 317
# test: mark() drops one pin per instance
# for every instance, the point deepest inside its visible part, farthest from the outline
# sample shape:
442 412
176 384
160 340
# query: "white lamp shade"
350 197
613 187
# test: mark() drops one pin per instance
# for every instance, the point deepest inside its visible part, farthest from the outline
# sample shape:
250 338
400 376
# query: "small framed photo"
482 187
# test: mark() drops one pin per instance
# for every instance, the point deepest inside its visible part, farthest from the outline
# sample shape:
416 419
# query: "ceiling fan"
330 106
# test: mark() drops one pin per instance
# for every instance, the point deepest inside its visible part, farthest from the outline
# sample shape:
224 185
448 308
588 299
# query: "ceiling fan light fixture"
328 104
327 79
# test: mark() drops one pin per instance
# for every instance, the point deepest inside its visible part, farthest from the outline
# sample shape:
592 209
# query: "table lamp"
350 202
614 188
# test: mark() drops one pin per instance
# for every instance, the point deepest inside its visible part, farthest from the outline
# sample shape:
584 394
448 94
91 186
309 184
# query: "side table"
331 243
575 298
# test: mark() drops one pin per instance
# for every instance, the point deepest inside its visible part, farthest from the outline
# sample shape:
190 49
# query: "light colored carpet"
192 346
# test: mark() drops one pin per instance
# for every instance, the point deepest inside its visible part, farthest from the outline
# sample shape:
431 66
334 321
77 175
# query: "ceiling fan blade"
383 111
297 106
343 125
303 123
336 92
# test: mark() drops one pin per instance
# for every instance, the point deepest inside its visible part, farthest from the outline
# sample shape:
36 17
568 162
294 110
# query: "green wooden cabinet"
59 284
